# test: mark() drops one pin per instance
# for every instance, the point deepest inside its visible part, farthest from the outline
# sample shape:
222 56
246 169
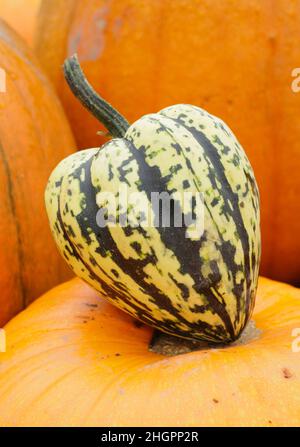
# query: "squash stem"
169 345
115 123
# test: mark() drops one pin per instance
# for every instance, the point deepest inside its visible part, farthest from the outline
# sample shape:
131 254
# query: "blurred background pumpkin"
233 58
21 15
34 137
75 360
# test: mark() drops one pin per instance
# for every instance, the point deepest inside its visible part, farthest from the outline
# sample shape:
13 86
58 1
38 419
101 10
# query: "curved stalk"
115 123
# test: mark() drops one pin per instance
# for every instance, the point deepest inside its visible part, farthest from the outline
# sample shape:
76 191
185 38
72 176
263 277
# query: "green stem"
115 123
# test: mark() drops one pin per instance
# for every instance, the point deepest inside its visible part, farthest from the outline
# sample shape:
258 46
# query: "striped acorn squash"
195 288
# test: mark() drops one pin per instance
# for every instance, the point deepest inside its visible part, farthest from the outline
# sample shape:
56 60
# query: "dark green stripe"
174 238
212 155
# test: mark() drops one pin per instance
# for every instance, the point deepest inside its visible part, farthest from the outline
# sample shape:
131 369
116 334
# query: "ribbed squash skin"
193 288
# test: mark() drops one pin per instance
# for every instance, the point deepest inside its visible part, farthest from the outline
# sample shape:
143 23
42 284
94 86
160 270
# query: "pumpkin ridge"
12 207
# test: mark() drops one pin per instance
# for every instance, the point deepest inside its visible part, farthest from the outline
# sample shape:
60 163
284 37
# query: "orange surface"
233 58
34 137
73 359
21 15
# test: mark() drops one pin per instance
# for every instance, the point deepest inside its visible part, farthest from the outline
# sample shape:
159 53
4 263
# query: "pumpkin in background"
21 15
75 360
34 136
233 58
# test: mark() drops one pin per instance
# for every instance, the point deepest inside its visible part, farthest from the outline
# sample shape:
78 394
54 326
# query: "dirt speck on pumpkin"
286 373
91 305
85 318
215 401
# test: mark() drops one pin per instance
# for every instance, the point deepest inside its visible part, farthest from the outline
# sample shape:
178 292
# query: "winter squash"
75 360
34 135
195 278
22 16
233 58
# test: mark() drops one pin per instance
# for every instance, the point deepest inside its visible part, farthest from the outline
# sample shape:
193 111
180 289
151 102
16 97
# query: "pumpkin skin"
203 288
240 70
75 360
21 15
34 136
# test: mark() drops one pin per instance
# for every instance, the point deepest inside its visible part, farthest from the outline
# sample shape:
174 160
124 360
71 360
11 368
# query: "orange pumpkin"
21 15
233 58
34 136
73 359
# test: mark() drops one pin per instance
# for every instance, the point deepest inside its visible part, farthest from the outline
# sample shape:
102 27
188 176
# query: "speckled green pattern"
201 289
